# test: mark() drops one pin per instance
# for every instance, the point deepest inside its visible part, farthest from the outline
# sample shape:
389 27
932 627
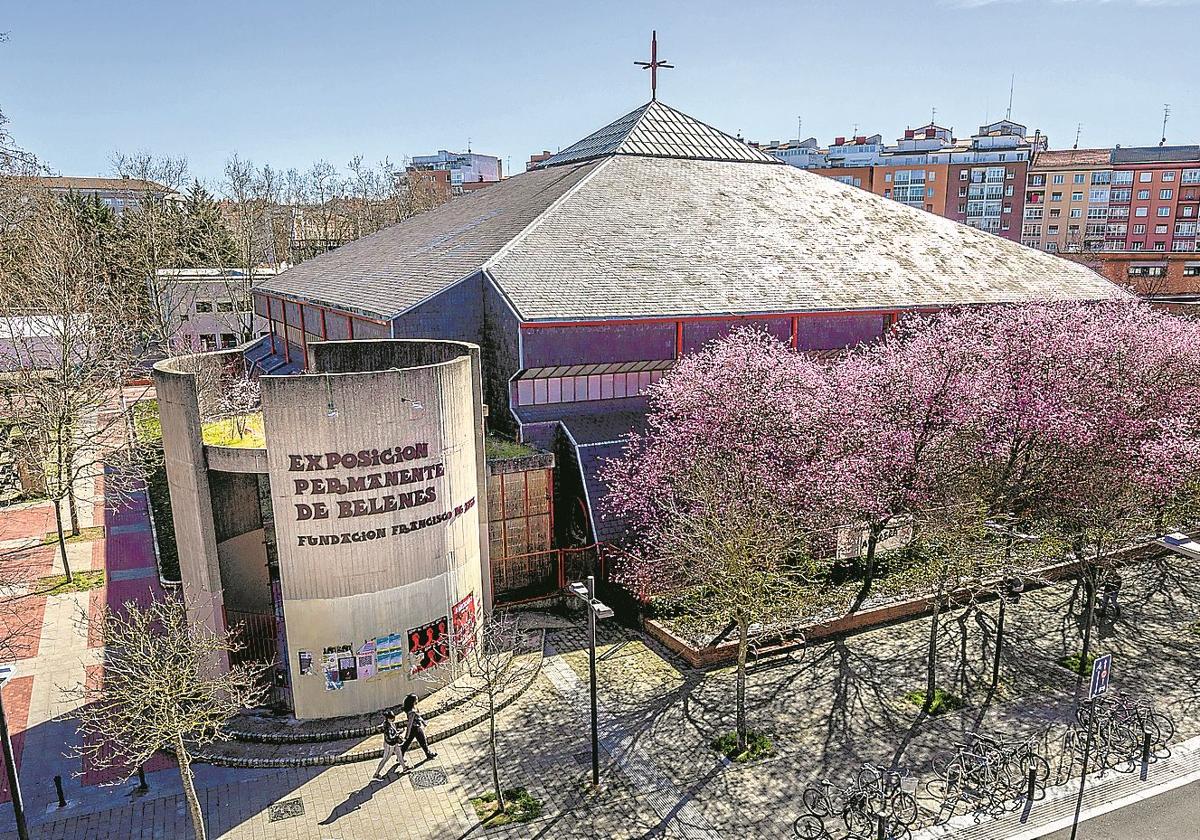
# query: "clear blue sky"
291 82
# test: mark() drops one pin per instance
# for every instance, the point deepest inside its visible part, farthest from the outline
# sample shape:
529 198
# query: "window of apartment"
1189 195
931 175
1058 179
228 340
224 306
962 192
1077 196
1055 213
1037 180
1051 246
1072 230
1101 177
962 208
1138 230
1056 196
1119 195
1097 213
1181 245
1169 175
1160 228
1191 271
204 306
1186 211
208 341
1191 176
1160 246
1122 178
964 174
1164 211
1145 177
1118 212
1033 212
1098 196
929 192
1143 195
1142 212
1010 174
1185 228
1008 191
1078 177
1165 195
1146 270
1076 212
1052 230
1007 208
887 176
1137 246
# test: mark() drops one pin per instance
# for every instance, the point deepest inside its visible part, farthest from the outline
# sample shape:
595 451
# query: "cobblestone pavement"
838 707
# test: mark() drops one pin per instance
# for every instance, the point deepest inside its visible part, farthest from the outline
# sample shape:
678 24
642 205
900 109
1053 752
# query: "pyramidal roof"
658 130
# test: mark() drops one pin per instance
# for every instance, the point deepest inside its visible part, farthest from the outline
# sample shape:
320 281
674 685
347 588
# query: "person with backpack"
391 744
416 727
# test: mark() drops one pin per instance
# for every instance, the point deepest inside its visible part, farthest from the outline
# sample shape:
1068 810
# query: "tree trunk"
500 803
931 669
743 647
62 540
189 789
1089 614
73 511
864 591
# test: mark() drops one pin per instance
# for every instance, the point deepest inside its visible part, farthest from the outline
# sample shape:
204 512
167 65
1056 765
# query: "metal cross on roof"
653 64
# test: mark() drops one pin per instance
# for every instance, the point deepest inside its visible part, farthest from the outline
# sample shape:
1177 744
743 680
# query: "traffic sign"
1101 674
7 672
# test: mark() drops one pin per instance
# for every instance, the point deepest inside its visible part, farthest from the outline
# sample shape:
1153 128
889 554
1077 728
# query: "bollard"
62 800
1032 784
881 833
1145 748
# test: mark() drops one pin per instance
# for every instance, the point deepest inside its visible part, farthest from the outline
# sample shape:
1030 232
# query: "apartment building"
467 169
1154 200
1067 201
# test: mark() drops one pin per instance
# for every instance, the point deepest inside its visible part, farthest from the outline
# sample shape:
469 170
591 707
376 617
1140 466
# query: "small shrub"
757 746
1071 662
521 807
943 701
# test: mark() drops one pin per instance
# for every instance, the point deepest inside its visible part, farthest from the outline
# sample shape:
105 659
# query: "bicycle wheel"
858 822
809 827
1039 766
1165 727
817 802
904 808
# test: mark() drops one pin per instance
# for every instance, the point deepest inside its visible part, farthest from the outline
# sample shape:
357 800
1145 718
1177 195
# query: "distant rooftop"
658 130
81 184
1155 154
1072 157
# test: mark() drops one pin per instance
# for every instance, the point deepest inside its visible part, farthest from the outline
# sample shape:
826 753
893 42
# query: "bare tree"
164 688
486 668
240 397
68 343
726 551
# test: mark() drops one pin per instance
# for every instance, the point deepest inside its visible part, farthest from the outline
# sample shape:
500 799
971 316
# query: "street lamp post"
10 761
596 610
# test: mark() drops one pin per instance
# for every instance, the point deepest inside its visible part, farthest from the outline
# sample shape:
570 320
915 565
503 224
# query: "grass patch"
224 432
521 807
943 701
148 429
58 585
497 448
1071 662
757 746
96 532
1195 628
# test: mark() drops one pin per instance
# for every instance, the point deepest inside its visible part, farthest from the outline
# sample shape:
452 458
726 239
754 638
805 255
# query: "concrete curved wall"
376 483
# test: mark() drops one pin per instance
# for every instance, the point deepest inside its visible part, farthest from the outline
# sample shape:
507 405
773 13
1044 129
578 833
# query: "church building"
586 278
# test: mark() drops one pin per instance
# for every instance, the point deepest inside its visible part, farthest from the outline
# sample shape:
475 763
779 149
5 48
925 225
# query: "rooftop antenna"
653 65
855 131
468 145
1011 82
1078 129
933 115
799 129
1166 116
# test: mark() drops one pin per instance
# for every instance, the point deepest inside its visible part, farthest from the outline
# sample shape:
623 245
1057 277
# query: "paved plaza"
830 710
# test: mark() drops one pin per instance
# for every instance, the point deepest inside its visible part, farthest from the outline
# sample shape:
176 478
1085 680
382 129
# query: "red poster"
429 645
464 624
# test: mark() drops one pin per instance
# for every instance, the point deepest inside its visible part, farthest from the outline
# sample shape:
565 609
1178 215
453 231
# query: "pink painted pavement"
26 522
16 707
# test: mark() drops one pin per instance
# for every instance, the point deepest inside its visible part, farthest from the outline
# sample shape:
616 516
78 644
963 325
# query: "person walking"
416 728
391 744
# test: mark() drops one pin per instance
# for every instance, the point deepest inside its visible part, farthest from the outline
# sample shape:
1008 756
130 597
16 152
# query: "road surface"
1174 815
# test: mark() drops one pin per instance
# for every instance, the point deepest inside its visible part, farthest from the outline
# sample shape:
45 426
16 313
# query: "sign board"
1180 544
7 672
1101 674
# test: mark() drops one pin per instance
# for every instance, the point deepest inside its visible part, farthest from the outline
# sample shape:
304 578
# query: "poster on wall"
366 660
331 661
305 663
429 645
463 618
389 652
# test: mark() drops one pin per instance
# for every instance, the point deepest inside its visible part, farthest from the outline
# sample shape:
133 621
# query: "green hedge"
149 434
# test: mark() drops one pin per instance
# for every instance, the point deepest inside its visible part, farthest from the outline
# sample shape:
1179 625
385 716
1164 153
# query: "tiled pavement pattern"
840 706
